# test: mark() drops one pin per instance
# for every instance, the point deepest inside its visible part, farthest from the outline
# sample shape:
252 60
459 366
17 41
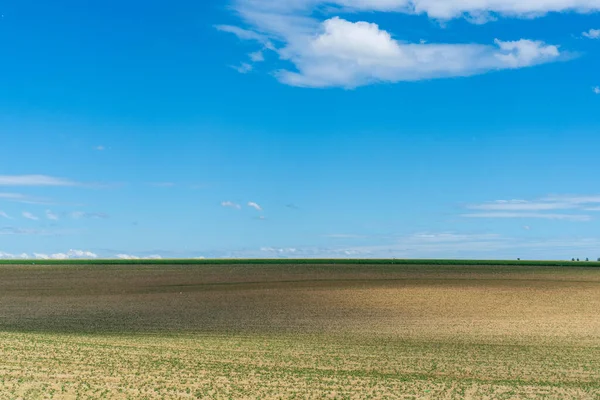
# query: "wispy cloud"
23 198
254 205
51 216
4 215
596 89
34 180
592 34
100 148
475 11
565 217
9 230
522 205
442 245
257 56
538 208
573 199
92 215
231 204
45 181
243 68
244 34
30 216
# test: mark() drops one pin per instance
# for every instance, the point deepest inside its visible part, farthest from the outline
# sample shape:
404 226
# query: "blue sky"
256 128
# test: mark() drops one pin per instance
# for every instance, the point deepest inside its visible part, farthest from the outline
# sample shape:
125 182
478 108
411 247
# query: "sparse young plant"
260 331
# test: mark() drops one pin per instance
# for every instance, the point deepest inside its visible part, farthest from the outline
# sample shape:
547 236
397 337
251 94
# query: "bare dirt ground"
304 331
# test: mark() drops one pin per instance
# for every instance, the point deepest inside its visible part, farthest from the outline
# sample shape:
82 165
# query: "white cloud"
565 217
81 254
596 89
243 68
477 10
100 148
41 256
34 180
51 216
257 56
71 254
9 256
231 205
127 257
350 54
255 206
592 34
30 216
132 257
340 53
4 215
524 53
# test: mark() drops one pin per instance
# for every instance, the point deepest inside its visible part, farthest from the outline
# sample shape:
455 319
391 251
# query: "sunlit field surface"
299 331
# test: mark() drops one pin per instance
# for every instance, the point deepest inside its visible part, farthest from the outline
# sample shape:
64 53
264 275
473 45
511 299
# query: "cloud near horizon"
71 254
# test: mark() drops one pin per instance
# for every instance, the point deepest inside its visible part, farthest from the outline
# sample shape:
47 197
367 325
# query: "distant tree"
578 259
518 259
587 259
598 259
572 259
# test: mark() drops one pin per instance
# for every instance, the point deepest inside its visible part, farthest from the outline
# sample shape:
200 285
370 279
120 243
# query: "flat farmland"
299 331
